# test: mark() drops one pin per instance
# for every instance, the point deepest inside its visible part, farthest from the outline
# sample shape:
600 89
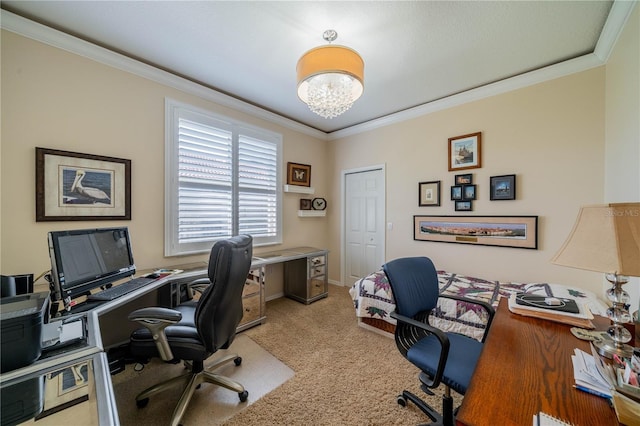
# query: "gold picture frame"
298 174
465 152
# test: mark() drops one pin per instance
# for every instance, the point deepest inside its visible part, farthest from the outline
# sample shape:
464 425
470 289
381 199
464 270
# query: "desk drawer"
317 286
316 271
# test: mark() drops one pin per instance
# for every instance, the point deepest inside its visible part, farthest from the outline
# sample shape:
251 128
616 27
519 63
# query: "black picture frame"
468 192
464 206
429 194
456 192
502 187
503 231
465 179
77 186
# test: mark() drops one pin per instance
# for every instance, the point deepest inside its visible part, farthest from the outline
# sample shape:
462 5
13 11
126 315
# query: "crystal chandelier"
330 78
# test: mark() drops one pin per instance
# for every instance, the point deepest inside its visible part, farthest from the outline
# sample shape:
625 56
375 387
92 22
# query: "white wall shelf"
312 213
299 189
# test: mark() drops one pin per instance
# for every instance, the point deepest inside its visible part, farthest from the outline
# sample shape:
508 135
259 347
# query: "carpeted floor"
343 374
260 373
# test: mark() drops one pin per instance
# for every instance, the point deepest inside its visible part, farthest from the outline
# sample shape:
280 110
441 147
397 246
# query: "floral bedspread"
372 298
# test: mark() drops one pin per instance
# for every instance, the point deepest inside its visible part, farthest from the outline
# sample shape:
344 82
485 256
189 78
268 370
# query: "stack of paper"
581 319
589 377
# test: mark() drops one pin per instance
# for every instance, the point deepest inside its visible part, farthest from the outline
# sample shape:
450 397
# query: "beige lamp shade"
605 238
330 59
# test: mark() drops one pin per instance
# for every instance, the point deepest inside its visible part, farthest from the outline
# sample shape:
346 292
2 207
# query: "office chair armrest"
484 305
439 334
199 285
156 320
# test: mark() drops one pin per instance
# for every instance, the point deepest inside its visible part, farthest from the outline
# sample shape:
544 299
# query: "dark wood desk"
525 367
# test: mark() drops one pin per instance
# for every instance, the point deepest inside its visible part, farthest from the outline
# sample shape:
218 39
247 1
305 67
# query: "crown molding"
618 16
33 30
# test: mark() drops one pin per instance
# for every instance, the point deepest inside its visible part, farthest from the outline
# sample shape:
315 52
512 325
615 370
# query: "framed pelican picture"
76 186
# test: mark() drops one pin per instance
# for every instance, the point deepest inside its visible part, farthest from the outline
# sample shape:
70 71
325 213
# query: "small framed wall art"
503 187
298 174
465 179
464 206
429 194
465 152
305 204
456 192
468 192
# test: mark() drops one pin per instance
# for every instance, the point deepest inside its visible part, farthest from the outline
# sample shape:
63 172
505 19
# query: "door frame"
343 196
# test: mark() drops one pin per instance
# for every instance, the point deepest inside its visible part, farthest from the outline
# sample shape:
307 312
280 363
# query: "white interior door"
363 218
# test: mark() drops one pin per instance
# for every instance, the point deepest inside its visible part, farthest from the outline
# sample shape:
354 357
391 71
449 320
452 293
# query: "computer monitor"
84 259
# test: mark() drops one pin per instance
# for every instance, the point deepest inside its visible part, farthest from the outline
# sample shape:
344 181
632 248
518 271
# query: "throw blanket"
372 298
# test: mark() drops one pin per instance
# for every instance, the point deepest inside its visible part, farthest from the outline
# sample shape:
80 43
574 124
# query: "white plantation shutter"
222 180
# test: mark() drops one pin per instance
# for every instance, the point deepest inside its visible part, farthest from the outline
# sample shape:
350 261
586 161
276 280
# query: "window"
222 179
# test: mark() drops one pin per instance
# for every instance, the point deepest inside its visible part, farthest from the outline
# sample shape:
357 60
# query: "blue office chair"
196 330
442 357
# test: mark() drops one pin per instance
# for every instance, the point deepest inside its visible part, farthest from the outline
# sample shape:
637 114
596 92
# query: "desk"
107 323
524 368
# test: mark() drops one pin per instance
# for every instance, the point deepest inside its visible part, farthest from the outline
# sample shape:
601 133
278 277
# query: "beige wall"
59 100
622 125
550 135
554 136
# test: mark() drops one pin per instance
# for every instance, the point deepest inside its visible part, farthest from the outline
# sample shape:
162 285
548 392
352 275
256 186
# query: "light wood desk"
525 367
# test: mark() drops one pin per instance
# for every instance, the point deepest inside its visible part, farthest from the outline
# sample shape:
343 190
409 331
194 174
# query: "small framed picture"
456 192
465 152
465 179
468 192
429 194
464 206
305 204
503 187
298 174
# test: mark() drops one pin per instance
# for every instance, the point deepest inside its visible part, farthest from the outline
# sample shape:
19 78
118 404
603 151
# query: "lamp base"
608 347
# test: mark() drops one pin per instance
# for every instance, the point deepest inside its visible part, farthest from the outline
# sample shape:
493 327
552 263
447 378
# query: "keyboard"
120 289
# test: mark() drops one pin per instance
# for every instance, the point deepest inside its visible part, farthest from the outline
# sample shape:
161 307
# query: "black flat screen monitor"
84 259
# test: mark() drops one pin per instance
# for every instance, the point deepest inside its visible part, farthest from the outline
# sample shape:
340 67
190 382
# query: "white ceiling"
415 52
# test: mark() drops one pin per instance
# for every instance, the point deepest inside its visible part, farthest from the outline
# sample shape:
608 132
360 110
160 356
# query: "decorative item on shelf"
465 152
305 204
330 77
319 204
505 231
298 174
465 179
502 187
606 238
429 194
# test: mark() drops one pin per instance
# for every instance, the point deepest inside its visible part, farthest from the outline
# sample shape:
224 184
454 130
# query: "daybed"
373 301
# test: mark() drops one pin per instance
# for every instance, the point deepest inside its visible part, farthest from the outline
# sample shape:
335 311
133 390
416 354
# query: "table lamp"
606 238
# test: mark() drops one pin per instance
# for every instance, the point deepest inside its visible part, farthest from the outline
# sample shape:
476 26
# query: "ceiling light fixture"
330 78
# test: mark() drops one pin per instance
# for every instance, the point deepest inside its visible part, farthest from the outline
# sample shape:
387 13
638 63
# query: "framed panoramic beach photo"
504 231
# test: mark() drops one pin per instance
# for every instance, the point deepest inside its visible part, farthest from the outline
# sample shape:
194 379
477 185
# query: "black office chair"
194 331
442 357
